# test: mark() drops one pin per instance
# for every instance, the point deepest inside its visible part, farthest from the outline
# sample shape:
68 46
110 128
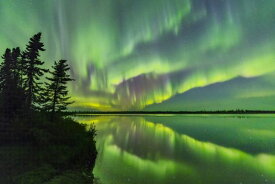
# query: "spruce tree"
5 70
56 97
18 66
12 95
33 70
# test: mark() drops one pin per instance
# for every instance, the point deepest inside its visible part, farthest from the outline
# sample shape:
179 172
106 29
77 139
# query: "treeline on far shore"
172 112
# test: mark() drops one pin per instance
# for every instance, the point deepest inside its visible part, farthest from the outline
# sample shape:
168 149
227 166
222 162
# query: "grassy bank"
43 150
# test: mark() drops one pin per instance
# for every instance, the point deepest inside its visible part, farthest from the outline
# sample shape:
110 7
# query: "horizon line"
177 112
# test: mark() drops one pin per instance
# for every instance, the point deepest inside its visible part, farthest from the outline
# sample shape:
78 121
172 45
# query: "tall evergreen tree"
33 70
12 95
19 66
5 71
56 97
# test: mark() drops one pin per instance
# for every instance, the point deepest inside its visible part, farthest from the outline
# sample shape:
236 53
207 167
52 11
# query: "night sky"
154 54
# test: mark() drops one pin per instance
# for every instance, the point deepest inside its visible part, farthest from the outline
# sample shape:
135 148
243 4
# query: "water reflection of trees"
144 149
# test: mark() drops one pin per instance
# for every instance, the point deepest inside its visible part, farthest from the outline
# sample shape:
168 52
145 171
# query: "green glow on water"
135 150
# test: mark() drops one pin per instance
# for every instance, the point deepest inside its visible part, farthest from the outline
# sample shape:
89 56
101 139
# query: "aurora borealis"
154 54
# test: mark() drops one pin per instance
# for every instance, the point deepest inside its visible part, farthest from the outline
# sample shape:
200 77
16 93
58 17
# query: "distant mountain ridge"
238 93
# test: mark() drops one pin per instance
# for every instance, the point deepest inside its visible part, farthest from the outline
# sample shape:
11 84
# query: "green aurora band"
128 54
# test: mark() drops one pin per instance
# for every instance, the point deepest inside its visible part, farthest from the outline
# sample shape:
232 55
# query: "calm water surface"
184 149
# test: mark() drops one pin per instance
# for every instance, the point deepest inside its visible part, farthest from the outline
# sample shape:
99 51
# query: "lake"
184 149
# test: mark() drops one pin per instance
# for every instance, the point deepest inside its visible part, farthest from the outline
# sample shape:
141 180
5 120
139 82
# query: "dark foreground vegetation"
39 150
38 145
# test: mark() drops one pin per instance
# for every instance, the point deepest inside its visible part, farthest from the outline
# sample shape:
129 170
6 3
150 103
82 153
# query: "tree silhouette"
12 94
56 97
5 70
33 71
19 69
